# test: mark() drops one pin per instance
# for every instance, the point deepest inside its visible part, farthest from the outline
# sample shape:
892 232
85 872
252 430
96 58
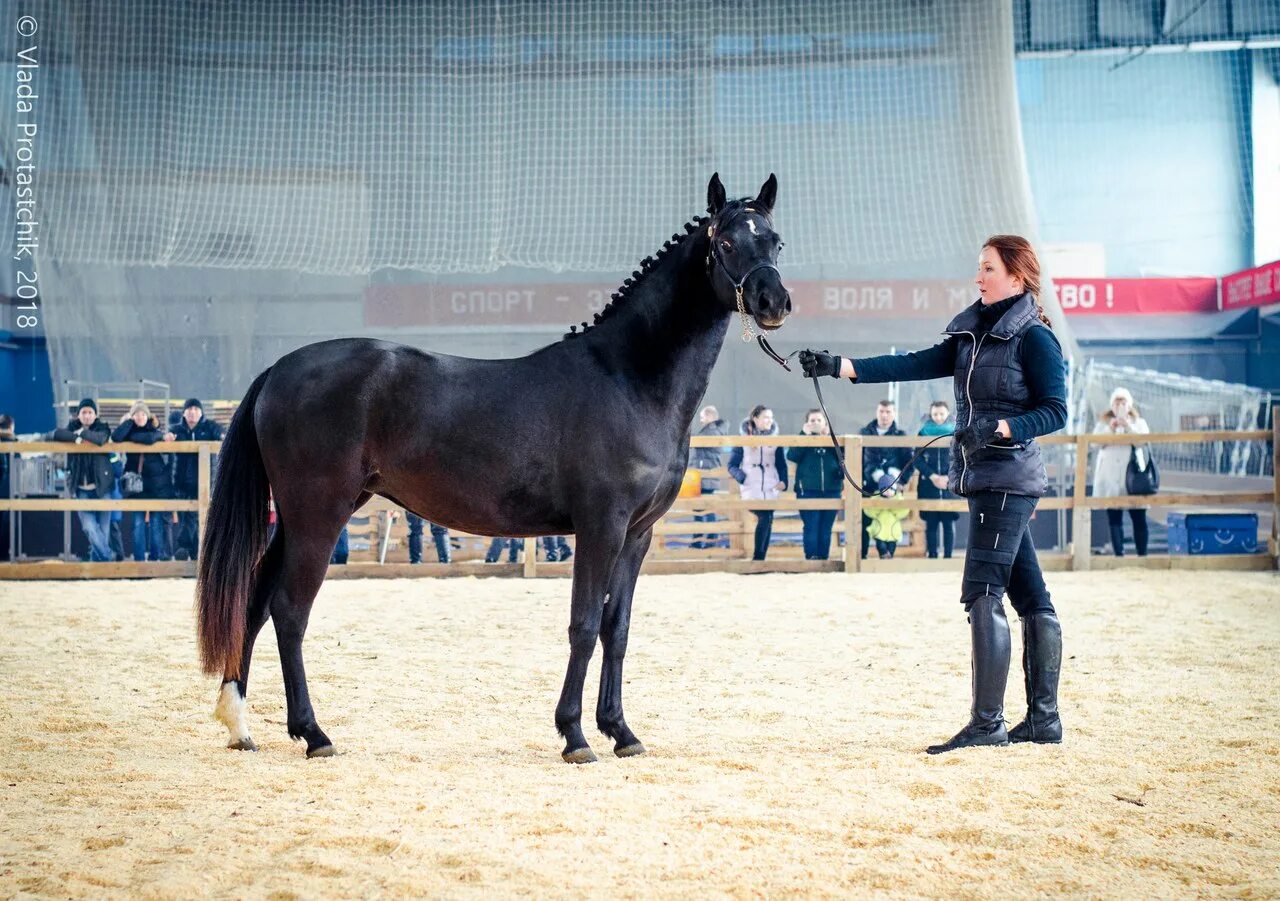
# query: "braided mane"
647 265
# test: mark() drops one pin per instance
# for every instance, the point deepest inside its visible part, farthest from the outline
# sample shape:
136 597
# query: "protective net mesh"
220 183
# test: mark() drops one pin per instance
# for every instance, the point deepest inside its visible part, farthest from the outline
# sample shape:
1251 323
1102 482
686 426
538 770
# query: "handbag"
131 482
1140 479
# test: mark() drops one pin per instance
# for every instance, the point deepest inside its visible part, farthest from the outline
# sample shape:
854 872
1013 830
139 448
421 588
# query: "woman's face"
1120 407
139 418
993 280
764 421
817 423
939 414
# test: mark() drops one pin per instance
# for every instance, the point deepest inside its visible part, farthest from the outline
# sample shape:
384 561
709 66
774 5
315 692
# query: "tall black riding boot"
1041 661
1117 538
990 634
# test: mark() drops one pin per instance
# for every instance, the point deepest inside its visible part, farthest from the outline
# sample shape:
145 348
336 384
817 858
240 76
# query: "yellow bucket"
691 484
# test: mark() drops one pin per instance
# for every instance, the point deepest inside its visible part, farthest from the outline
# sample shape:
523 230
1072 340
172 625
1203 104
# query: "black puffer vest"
990 383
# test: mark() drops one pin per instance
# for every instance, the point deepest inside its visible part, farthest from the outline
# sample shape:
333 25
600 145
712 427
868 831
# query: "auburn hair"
1020 260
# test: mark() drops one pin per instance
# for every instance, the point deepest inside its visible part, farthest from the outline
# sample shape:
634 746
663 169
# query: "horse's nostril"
787 306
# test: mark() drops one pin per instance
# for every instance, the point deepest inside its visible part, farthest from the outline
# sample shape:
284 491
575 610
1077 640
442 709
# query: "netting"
1176 403
220 183
460 137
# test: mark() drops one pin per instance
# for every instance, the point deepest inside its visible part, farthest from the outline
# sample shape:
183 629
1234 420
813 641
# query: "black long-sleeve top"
1043 368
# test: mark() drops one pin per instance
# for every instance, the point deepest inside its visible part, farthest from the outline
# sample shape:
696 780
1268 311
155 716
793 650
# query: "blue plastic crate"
1213 533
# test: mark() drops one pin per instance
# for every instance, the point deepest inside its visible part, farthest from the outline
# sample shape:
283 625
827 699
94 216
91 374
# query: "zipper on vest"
968 398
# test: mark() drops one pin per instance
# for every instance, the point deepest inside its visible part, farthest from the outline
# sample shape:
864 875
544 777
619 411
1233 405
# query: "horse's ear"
715 195
768 194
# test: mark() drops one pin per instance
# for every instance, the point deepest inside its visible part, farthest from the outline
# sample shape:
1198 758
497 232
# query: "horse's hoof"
581 755
322 751
634 750
243 744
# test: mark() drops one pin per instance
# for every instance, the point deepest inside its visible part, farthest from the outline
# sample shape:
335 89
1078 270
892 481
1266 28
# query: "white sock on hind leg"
230 712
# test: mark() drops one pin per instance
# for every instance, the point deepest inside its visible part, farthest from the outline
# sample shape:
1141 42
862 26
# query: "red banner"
415 305
1126 296
1252 288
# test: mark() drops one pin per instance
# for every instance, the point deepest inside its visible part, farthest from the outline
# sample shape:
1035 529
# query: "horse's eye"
727 245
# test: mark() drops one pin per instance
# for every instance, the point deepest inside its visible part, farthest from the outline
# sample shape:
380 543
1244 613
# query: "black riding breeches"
1001 557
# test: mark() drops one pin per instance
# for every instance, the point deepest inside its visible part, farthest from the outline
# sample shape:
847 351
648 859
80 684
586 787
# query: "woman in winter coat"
143 428
817 476
1112 465
934 465
1010 385
761 473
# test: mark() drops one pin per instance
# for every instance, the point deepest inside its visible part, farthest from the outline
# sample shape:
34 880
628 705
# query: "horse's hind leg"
592 565
235 691
312 531
614 627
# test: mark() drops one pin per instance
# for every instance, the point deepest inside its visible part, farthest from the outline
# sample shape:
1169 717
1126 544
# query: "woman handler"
1010 386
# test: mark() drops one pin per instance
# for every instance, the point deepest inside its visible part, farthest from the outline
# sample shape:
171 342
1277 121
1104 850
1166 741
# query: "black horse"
585 436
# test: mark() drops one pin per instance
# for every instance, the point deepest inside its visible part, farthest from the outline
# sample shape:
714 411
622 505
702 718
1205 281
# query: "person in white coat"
1112 464
761 473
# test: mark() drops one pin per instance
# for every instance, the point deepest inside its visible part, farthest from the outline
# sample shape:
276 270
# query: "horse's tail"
235 536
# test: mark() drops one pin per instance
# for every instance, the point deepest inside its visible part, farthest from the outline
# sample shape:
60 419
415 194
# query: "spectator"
6 434
90 475
886 523
933 464
877 462
556 549
194 426
706 459
817 476
1112 465
761 473
439 536
513 546
141 427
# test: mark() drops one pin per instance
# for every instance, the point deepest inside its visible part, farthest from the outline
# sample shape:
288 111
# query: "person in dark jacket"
140 427
934 465
1010 384
761 473
90 476
817 475
194 426
878 462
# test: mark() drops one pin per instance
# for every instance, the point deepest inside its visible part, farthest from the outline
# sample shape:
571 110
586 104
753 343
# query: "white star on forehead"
751 224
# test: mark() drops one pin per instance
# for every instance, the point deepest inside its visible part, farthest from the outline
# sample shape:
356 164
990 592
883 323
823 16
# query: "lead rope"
817 389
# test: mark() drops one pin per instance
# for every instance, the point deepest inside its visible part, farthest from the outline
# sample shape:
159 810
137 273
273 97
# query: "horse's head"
743 256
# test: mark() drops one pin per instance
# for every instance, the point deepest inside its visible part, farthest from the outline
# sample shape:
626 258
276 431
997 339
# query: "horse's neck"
667 335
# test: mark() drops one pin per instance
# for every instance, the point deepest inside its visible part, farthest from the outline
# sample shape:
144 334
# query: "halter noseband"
714 256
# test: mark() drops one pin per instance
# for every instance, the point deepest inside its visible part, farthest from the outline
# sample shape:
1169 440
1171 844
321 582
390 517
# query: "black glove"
816 363
977 435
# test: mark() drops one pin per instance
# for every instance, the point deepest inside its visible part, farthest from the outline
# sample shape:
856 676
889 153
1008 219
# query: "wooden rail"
735 524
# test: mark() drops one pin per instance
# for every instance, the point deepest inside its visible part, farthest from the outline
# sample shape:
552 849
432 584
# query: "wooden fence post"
852 505
530 557
1081 514
204 472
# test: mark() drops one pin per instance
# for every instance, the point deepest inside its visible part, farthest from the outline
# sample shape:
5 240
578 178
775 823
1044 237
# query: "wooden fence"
735 524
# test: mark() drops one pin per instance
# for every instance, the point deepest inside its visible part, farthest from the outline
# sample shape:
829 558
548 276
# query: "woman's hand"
1003 430
781 486
817 363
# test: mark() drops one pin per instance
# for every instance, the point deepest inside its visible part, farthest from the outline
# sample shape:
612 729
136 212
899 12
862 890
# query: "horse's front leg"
593 563
614 627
